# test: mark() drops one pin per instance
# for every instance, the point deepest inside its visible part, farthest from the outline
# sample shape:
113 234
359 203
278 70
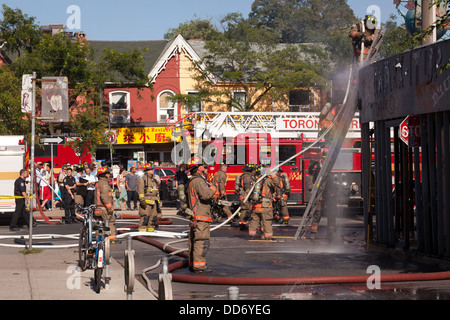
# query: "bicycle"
93 254
85 245
101 256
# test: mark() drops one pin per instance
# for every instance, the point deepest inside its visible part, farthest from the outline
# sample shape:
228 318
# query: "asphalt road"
231 254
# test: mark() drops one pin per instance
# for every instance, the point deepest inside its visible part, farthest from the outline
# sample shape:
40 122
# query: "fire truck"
238 138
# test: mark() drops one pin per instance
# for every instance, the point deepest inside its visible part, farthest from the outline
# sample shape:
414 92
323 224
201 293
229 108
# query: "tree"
193 29
396 39
18 31
308 21
12 121
87 71
250 58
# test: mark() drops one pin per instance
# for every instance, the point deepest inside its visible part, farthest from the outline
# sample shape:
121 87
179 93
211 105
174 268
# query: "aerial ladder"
342 121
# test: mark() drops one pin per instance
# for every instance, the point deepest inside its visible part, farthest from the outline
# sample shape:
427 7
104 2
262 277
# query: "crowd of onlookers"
125 184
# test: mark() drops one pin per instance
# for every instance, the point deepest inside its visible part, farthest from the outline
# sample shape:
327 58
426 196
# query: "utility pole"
32 170
428 20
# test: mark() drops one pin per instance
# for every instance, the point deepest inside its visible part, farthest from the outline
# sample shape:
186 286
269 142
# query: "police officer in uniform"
70 184
20 190
104 198
199 196
148 193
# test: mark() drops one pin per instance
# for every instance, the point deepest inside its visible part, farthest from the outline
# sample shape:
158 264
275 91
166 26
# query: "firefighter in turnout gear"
104 198
281 179
313 171
219 181
326 119
363 34
148 193
243 184
262 209
199 196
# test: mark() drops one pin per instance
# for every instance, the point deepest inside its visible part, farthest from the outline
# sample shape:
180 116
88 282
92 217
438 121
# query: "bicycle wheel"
98 279
83 249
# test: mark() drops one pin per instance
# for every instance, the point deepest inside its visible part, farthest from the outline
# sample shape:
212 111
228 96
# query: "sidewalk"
52 274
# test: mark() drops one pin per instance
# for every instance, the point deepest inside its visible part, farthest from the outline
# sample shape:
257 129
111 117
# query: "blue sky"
149 19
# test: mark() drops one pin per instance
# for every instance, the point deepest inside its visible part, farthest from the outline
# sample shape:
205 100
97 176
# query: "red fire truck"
272 138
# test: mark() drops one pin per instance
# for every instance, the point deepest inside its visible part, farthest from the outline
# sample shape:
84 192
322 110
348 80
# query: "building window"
167 109
119 106
195 103
300 100
239 99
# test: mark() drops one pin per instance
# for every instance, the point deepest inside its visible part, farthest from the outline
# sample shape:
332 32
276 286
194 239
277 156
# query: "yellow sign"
144 135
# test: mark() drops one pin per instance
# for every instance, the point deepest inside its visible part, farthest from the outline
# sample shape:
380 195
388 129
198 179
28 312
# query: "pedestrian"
200 193
44 185
120 183
90 187
20 192
69 197
62 174
148 192
131 185
104 198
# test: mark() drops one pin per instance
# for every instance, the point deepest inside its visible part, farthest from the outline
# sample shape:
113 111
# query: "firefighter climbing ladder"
343 121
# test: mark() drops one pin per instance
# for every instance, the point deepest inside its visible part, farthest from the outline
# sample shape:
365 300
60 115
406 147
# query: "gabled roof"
154 49
176 45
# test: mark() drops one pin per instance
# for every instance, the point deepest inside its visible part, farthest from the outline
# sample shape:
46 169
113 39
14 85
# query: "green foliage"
252 58
396 39
18 30
193 29
12 120
87 71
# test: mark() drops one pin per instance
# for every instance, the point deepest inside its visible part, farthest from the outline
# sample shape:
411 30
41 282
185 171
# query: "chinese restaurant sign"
144 135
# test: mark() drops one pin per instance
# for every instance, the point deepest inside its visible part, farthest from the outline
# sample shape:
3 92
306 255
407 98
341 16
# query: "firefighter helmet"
371 22
103 170
147 167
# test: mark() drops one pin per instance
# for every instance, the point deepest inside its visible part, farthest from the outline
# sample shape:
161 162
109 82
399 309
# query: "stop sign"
410 131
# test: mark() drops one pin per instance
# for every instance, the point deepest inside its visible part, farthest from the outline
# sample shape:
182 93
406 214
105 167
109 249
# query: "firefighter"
363 33
199 195
313 171
282 180
262 209
148 193
332 196
326 119
243 184
219 181
104 198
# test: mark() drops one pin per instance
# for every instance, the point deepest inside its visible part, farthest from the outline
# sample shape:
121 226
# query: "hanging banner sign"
55 99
